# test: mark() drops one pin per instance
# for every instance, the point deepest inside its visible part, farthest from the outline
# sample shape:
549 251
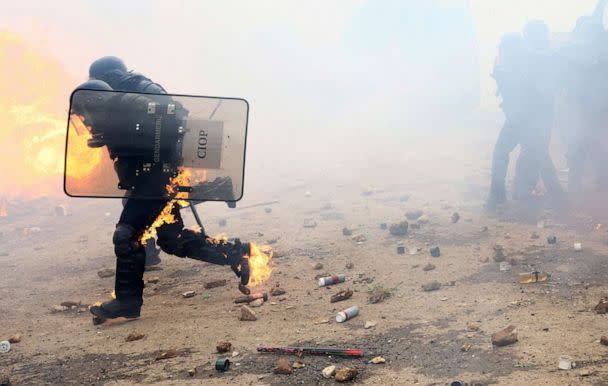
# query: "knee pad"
125 240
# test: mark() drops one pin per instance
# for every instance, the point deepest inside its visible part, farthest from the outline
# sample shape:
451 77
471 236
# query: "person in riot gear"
138 214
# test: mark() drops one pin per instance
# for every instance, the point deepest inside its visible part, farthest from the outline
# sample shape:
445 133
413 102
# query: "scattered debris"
435 252
310 223
298 365
15 338
378 293
455 217
466 347
602 306
331 280
499 253
505 337
153 280
369 324
340 296
432 286
247 314
346 374
192 372
277 291
70 303
413 215
223 346
347 314
318 266
359 238
133 336
215 284
400 250
578 247
551 240
171 353
377 360
222 365
399 229
347 232
329 371
349 265
251 298
5 347
188 294
604 340
565 363
429 267
283 367
106 272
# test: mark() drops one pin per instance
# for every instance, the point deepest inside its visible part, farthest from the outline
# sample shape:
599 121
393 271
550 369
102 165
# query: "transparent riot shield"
152 146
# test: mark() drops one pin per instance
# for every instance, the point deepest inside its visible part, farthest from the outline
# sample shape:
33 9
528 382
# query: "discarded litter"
551 240
331 280
400 250
565 363
435 252
222 364
347 314
399 229
534 277
5 347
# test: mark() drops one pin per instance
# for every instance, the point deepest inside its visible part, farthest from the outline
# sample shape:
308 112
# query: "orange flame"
82 159
259 264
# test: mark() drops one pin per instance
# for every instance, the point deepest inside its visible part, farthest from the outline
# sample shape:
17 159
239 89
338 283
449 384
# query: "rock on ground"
505 337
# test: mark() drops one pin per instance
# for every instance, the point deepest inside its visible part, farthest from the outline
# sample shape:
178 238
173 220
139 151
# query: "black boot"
115 308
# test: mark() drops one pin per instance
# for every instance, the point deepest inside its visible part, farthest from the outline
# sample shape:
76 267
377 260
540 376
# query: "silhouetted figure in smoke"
526 87
139 213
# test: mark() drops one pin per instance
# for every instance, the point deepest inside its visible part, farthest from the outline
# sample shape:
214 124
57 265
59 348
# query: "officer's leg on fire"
506 142
176 240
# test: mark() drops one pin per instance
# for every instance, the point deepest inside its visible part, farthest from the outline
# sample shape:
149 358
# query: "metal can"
435 252
5 346
330 280
347 314
222 364
400 250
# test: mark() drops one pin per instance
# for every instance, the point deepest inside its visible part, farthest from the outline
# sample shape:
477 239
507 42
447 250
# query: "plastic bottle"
534 277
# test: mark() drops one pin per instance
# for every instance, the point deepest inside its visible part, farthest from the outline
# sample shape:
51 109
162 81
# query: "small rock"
455 217
432 286
329 371
223 346
369 324
235 354
359 238
106 272
551 240
322 321
347 232
283 367
399 229
310 223
16 338
413 215
188 294
215 284
70 303
435 252
505 337
192 371
340 296
318 266
377 360
586 372
171 353
346 374
603 340
499 254
153 280
429 267
400 250
247 314
134 336
277 291
57 308
484 259
256 303
602 306
298 365
424 219
472 326
466 347
349 265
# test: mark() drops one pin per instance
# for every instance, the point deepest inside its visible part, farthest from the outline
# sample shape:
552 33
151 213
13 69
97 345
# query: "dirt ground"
422 335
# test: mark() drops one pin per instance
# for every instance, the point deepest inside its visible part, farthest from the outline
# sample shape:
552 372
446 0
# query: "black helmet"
106 64
536 34
85 101
95 84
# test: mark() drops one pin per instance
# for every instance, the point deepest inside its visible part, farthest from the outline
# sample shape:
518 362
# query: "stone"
329 371
429 267
256 303
133 336
283 367
466 347
413 215
298 365
106 272
153 280
192 371
377 360
435 252
340 296
223 346
215 284
505 337
484 259
602 306
57 308
188 294
277 291
70 303
432 286
399 229
171 353
499 254
15 338
603 340
318 266
247 314
369 324
346 374
455 217
347 232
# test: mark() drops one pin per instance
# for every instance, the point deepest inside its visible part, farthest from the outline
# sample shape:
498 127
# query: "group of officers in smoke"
542 88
